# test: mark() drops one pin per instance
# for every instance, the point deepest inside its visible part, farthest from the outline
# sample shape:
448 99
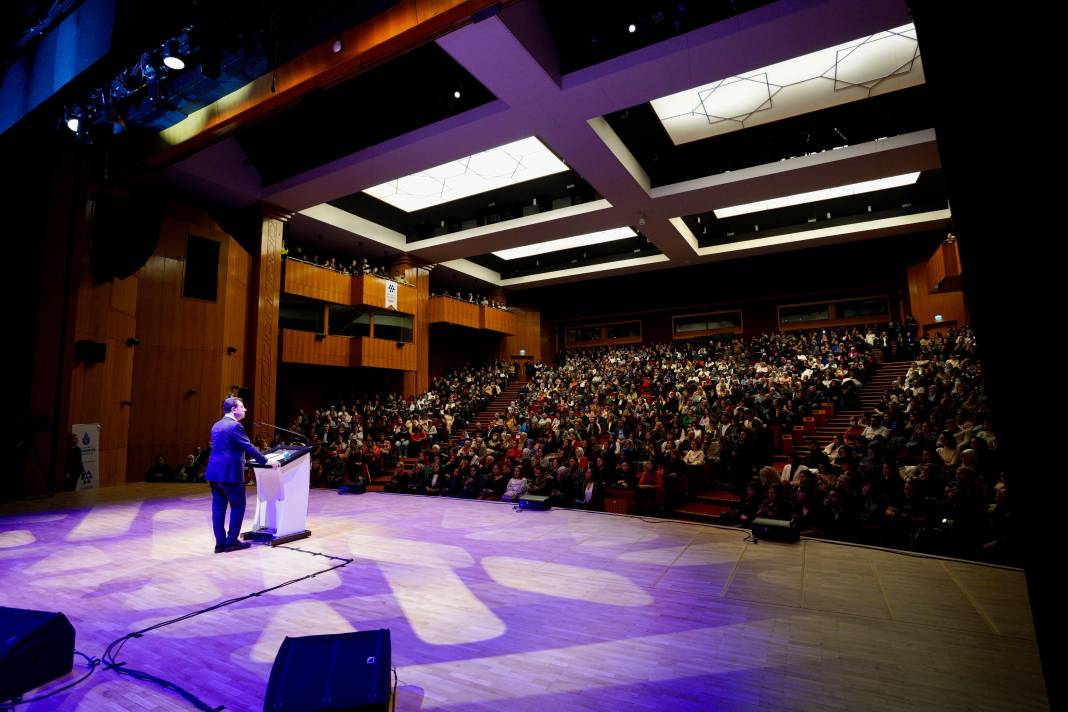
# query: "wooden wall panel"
925 305
329 286
318 283
304 347
183 344
549 345
372 292
379 353
527 335
943 269
107 314
453 311
498 320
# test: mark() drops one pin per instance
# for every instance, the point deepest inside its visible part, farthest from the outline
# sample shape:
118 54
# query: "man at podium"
226 474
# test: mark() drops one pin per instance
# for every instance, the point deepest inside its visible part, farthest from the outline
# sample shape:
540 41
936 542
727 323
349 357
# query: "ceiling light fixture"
171 60
513 163
818 195
565 243
859 69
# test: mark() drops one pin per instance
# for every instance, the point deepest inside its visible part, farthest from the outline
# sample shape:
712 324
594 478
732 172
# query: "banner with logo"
391 295
89 442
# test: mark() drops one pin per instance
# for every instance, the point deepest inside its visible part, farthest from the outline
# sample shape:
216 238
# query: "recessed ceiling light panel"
512 163
818 195
593 238
865 67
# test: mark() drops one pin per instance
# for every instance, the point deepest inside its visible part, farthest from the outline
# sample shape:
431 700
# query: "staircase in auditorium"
481 422
478 424
707 506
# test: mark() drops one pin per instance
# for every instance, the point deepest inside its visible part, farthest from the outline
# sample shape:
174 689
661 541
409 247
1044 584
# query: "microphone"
271 425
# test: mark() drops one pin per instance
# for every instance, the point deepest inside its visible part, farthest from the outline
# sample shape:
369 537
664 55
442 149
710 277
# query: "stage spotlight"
72 118
171 60
632 28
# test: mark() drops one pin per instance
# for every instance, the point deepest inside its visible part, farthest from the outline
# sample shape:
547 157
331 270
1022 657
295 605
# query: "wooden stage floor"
492 609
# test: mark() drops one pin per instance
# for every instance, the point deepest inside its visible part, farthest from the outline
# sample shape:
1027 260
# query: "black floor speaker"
35 647
533 501
347 671
775 530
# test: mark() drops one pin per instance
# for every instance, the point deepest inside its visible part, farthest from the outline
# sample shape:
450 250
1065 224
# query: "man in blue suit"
226 473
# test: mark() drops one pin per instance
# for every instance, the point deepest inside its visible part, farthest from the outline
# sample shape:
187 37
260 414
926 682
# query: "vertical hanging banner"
391 295
88 435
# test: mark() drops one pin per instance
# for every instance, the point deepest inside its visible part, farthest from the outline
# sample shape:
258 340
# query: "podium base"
271 539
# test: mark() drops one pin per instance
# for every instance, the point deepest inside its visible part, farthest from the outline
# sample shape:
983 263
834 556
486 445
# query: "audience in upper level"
349 266
470 298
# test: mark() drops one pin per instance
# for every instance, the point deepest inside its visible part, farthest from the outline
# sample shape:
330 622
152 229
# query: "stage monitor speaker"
346 671
35 647
775 530
353 488
533 501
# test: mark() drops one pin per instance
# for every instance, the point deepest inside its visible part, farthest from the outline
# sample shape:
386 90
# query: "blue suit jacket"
229 445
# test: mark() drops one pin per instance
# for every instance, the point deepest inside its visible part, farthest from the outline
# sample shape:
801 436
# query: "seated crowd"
191 470
361 437
920 471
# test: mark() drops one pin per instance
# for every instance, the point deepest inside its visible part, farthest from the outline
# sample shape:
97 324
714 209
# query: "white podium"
281 497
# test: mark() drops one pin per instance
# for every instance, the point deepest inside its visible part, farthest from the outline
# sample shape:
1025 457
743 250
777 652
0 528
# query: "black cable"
108 659
93 662
394 689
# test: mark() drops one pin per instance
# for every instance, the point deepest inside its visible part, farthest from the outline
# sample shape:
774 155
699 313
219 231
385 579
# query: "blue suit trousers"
225 494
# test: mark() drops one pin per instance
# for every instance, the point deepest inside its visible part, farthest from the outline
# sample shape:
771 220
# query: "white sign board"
89 441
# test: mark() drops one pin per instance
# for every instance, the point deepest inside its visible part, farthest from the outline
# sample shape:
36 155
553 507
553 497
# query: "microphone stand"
271 425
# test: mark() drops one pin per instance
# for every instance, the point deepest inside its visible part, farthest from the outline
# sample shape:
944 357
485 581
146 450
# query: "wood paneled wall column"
926 301
402 265
61 198
107 313
417 381
184 366
263 320
527 337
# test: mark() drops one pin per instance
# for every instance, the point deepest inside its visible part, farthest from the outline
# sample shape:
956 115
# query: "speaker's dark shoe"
238 546
219 548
